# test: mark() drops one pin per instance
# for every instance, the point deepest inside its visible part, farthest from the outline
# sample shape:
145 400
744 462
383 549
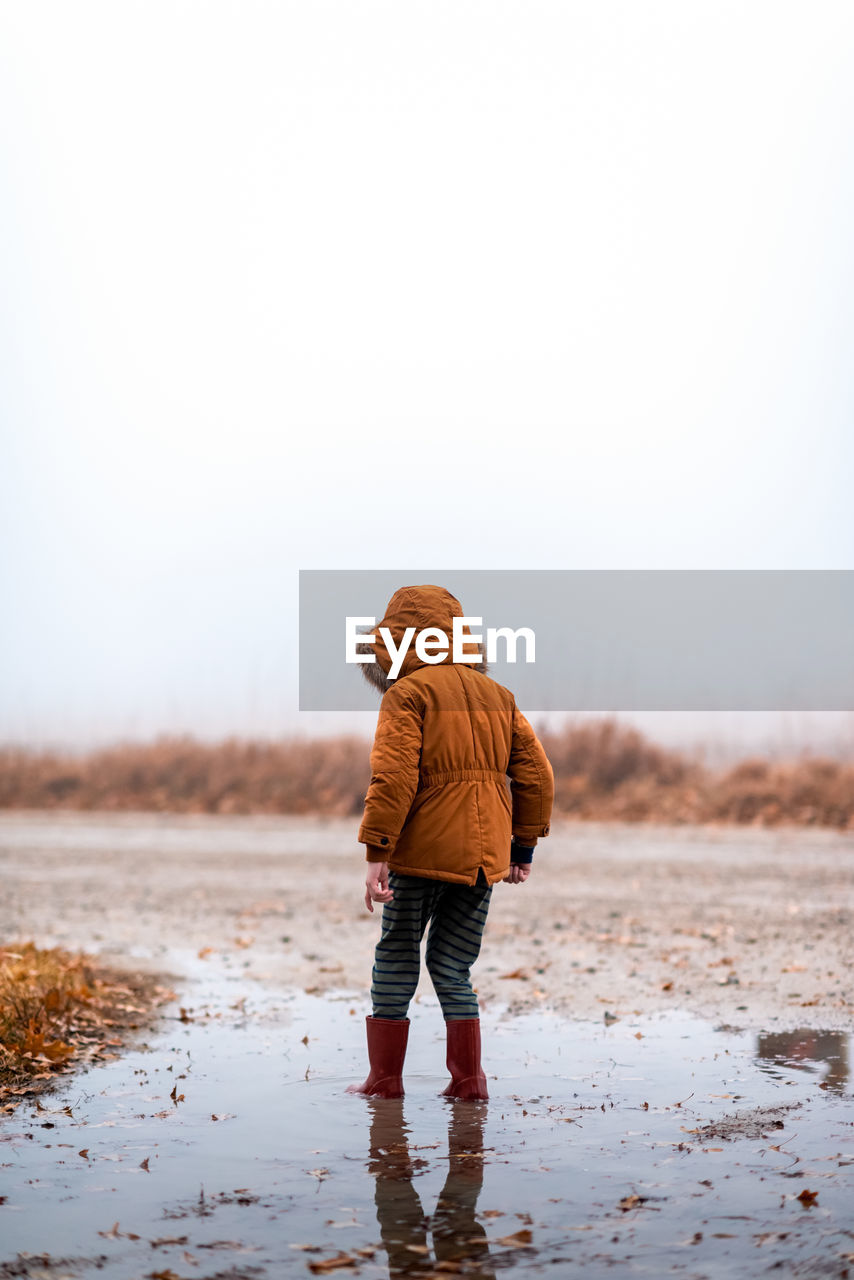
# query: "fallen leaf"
35 1046
517 974
631 1202
807 1198
326 1265
519 1239
143 1164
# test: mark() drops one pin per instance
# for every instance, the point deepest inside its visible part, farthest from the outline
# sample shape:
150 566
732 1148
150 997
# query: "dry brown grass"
181 775
58 1009
603 770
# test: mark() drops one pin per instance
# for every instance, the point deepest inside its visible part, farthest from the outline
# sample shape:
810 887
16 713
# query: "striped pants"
456 914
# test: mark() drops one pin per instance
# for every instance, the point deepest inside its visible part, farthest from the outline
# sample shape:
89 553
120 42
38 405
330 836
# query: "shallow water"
655 1146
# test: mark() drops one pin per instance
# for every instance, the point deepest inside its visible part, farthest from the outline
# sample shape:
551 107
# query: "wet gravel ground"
749 925
667 1036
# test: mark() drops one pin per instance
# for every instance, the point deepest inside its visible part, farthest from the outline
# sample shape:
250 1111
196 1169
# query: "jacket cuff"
373 853
528 836
383 840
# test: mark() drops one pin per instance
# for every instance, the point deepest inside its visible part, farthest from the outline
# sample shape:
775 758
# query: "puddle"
228 1148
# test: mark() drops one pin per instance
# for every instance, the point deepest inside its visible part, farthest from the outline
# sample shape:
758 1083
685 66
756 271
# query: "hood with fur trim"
419 607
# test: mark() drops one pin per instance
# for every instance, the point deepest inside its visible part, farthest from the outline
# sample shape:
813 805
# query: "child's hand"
377 884
519 872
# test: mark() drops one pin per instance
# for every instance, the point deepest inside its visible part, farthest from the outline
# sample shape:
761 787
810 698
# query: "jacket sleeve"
395 763
531 783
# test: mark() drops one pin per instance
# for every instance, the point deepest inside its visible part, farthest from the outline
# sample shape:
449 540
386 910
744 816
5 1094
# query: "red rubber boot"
467 1078
387 1039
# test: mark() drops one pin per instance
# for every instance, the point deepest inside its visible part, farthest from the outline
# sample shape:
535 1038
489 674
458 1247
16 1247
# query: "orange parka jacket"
448 739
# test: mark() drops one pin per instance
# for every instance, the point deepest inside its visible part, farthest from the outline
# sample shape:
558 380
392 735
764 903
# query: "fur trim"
377 678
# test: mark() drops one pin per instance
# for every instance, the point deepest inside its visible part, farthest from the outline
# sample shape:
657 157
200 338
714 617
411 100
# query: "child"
441 830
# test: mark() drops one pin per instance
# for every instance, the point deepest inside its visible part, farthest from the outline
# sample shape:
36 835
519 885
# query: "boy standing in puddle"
441 828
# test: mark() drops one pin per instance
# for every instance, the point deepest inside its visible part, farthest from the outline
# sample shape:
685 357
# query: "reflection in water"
806 1050
456 1233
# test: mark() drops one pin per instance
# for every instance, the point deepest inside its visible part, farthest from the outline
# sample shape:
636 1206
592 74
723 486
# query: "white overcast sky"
400 285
